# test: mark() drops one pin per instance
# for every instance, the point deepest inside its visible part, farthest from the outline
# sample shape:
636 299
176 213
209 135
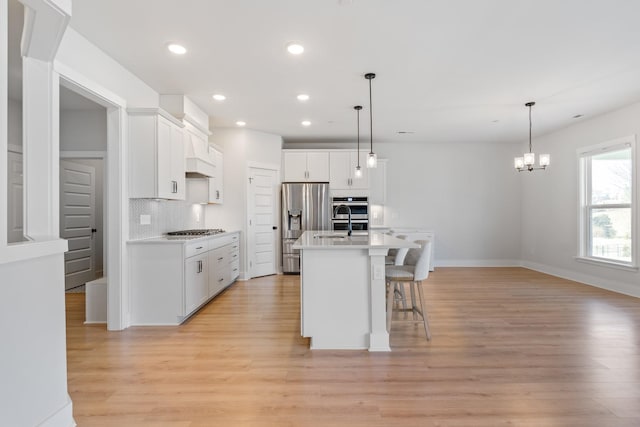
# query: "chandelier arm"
530 147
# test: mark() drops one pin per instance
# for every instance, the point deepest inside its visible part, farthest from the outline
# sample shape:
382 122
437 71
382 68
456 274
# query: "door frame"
116 223
248 241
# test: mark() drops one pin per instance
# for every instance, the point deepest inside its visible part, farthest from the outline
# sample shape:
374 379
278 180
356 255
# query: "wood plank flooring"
510 347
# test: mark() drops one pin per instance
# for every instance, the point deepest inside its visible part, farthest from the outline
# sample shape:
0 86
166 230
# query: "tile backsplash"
164 215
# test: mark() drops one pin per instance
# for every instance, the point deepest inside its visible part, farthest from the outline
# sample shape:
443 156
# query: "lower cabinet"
170 280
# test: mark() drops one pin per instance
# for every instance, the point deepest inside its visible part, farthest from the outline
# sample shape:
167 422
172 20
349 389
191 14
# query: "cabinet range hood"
199 163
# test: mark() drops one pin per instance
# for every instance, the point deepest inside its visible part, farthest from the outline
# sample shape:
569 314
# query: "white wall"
240 146
550 202
467 193
83 130
14 123
85 59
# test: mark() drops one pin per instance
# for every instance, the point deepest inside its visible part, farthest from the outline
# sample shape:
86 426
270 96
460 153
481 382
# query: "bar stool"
413 272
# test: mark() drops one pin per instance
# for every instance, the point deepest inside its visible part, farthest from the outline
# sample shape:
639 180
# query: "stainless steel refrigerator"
305 206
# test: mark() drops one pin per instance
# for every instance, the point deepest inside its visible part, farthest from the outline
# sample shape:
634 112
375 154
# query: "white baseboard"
598 282
478 263
63 417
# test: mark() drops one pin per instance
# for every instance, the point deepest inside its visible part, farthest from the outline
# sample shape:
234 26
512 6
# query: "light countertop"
339 240
179 239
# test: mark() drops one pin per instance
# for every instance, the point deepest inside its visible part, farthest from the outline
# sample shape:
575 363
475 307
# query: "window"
608 205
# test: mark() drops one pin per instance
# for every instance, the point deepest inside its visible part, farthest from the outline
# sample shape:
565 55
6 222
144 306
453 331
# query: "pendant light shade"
528 160
358 171
372 159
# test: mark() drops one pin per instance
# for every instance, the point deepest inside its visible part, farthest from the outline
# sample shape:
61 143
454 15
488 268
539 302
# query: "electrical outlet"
145 219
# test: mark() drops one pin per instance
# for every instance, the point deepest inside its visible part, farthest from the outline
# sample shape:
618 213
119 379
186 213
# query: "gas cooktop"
196 232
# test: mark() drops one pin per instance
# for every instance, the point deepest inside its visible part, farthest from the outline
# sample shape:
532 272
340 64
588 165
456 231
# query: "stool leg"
413 300
390 298
424 311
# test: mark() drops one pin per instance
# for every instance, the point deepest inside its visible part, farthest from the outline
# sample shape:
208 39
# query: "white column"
41 150
379 337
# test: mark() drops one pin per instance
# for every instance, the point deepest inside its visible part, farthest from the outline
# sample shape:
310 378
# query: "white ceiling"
447 70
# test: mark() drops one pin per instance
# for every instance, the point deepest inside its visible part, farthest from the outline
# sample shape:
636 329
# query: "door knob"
275 227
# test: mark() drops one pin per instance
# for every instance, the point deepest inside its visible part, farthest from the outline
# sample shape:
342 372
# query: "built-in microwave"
359 207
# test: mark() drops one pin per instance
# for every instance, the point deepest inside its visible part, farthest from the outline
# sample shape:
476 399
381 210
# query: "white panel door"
77 221
15 231
262 221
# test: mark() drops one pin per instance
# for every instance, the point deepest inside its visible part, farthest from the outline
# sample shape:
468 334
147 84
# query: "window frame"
586 207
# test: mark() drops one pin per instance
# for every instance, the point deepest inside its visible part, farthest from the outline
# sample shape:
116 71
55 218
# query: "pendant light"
528 160
358 171
372 159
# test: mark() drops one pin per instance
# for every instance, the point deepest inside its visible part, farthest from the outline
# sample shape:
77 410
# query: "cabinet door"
178 163
318 166
218 262
295 166
219 177
339 170
164 178
361 183
196 289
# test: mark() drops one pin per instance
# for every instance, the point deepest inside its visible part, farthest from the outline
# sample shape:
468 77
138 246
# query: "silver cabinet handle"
221 279
217 194
199 267
199 247
174 186
221 258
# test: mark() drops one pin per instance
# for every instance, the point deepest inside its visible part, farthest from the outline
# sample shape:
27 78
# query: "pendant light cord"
530 149
370 120
358 110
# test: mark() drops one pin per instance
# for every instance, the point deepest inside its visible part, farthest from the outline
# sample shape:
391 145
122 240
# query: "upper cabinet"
342 171
310 166
156 155
205 190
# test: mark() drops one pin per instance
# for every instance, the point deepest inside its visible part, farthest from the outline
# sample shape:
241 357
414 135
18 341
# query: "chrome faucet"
335 212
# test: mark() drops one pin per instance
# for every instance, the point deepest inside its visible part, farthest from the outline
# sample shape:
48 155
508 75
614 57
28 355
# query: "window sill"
604 263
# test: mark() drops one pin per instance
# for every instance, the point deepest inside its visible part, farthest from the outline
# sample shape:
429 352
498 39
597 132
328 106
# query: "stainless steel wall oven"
359 207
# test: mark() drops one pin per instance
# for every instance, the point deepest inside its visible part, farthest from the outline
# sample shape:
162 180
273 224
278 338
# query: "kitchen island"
342 289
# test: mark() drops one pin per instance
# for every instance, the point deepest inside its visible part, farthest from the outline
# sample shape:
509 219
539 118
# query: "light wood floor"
510 347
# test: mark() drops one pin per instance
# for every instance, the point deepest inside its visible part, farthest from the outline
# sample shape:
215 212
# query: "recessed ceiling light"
306 123
295 48
176 48
219 97
303 97
241 123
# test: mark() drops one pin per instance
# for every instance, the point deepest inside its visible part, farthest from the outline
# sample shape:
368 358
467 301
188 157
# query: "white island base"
342 290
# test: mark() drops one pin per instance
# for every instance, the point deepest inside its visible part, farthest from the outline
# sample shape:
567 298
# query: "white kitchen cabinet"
342 166
216 184
171 279
196 282
156 155
310 166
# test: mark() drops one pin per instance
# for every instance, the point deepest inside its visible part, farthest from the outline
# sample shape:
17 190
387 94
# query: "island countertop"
339 240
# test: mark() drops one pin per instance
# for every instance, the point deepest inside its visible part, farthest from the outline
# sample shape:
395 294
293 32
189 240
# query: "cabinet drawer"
219 257
234 252
195 248
220 241
235 270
